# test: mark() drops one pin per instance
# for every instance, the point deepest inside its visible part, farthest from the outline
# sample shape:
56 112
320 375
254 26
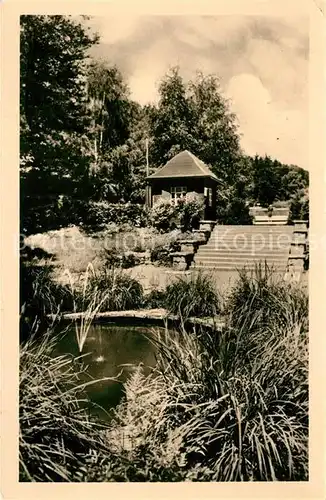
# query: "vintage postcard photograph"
164 256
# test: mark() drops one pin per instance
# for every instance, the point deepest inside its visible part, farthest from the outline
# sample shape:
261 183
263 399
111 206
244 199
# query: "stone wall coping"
184 242
158 314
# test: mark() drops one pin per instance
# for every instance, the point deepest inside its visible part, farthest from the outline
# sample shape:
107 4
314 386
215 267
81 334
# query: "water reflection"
110 350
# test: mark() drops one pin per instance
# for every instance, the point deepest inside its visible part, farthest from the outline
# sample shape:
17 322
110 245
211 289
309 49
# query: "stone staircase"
233 247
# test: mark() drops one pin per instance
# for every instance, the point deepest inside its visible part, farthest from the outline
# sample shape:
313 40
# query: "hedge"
45 215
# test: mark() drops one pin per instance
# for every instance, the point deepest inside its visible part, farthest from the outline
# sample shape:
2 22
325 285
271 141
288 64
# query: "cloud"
262 63
268 127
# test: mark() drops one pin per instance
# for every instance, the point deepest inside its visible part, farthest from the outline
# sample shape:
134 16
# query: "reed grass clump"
193 295
57 438
263 298
40 296
103 290
109 290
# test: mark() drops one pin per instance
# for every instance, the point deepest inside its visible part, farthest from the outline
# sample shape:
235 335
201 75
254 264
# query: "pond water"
106 348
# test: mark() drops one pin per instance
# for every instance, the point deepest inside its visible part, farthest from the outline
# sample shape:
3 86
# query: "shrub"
190 212
112 258
281 204
125 260
129 260
193 296
101 213
163 216
51 212
162 246
155 299
299 208
234 211
93 215
161 255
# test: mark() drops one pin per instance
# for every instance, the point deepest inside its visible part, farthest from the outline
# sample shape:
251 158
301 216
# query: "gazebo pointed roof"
184 164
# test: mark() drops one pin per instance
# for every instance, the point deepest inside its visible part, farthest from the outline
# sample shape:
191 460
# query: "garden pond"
109 350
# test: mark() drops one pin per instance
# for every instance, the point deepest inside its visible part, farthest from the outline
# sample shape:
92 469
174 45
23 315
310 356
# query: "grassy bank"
230 406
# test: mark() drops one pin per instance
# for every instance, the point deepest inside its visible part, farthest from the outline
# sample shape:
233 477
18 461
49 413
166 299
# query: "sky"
262 63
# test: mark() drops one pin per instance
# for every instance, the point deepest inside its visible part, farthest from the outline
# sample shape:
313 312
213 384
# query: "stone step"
238 242
232 258
254 229
233 264
233 268
253 237
244 251
277 232
229 258
241 237
250 249
239 263
233 247
242 255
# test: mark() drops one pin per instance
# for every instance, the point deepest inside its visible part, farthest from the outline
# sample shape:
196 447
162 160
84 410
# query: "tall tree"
110 108
117 136
215 133
196 116
128 162
266 180
173 119
52 107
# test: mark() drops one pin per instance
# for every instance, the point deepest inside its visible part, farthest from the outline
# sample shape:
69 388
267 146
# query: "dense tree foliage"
273 180
195 116
53 110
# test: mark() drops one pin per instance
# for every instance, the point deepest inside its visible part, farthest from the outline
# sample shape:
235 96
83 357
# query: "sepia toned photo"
164 248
